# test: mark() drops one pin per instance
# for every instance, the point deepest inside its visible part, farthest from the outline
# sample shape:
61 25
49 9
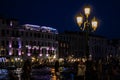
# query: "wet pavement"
41 74
4 74
36 74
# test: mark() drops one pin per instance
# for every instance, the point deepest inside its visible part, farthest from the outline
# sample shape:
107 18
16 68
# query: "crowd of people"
26 71
100 69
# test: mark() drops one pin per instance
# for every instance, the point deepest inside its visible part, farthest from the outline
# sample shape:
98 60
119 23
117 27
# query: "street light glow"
94 24
89 25
87 11
79 20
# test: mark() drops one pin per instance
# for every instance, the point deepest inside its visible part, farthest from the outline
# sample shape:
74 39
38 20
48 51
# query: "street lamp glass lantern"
79 20
87 11
94 24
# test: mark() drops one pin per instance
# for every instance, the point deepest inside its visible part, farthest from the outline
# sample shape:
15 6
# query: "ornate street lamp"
87 26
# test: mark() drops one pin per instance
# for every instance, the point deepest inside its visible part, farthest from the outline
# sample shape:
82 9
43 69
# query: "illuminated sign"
30 25
41 28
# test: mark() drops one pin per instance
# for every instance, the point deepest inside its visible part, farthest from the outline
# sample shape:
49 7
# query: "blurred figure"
89 69
116 73
12 75
75 69
57 73
26 70
81 71
99 68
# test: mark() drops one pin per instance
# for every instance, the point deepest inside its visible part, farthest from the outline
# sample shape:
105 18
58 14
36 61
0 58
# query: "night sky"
60 14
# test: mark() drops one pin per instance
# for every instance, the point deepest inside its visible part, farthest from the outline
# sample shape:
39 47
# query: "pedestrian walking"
12 76
75 69
81 71
57 73
26 75
89 69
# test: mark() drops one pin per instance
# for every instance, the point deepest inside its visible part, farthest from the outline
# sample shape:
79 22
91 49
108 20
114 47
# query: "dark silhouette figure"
75 69
81 71
12 76
26 70
89 70
57 66
57 73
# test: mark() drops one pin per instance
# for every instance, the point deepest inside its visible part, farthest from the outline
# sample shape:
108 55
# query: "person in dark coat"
12 76
26 70
75 69
57 73
57 66
89 70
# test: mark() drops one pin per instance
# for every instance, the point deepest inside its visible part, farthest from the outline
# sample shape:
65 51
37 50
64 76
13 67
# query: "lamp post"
87 26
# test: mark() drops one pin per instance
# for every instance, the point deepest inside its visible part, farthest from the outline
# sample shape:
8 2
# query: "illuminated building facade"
23 41
114 47
73 44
